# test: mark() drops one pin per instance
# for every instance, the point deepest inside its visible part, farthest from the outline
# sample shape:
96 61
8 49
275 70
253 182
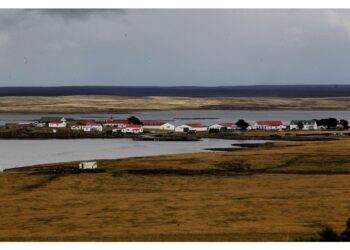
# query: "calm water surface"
207 117
19 153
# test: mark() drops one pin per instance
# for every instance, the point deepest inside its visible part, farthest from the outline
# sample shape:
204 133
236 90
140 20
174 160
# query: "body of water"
19 153
208 117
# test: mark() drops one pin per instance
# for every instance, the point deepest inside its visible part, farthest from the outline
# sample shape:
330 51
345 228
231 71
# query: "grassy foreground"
81 104
283 192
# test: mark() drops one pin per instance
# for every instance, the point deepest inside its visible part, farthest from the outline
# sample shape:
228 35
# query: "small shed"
88 165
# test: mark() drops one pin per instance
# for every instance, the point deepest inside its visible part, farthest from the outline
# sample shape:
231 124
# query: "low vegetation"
85 104
284 192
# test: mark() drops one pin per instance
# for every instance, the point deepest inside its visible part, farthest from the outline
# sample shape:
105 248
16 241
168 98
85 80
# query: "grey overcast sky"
174 47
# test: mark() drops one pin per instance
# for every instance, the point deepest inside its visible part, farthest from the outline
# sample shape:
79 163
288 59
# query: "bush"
328 234
345 235
242 124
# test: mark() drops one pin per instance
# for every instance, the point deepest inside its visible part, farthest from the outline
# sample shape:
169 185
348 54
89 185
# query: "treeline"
332 123
326 123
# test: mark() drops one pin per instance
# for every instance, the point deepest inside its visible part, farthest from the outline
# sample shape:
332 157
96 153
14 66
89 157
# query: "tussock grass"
84 104
289 192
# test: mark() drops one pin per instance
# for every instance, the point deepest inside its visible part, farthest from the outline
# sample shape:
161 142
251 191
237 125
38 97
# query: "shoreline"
319 137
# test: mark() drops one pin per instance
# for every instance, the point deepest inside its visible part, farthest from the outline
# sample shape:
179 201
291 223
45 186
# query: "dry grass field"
81 104
283 192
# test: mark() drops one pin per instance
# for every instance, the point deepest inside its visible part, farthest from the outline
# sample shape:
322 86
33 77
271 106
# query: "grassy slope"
296 193
116 103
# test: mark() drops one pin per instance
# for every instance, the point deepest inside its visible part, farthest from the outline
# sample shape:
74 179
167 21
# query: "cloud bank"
173 47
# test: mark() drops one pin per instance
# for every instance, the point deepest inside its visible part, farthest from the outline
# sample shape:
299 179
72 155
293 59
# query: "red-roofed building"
197 127
268 125
57 124
158 125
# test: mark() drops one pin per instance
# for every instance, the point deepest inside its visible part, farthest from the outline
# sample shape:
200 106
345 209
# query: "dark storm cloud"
174 47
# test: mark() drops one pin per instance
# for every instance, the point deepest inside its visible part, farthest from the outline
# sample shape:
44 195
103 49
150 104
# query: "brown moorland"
284 192
84 104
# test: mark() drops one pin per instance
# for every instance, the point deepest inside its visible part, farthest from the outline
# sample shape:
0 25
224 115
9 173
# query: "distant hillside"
233 91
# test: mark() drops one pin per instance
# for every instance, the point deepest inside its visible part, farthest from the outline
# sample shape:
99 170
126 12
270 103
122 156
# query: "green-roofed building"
46 119
306 124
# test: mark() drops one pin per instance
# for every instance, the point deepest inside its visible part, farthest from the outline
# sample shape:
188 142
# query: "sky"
174 47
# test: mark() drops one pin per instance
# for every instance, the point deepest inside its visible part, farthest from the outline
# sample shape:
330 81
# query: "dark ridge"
233 91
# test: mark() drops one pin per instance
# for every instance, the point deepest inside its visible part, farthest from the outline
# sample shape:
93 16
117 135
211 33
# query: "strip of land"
90 104
280 192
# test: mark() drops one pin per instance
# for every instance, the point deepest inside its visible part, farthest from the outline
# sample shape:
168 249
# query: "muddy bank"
240 146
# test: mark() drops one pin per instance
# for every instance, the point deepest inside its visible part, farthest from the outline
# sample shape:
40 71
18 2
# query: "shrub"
328 234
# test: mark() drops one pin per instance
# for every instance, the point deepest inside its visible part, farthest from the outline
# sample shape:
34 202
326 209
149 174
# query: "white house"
227 125
89 127
158 125
132 129
268 125
57 124
88 165
305 125
197 127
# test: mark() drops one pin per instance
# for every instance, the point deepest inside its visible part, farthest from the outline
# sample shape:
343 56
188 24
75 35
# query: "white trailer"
88 165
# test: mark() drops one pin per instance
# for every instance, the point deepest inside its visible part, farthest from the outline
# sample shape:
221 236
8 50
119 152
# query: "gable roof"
154 123
137 126
228 124
50 118
269 123
56 122
196 125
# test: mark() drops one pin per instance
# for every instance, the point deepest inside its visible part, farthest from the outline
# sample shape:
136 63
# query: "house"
89 126
159 125
306 124
268 125
117 123
224 126
88 165
132 129
47 119
57 124
196 127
